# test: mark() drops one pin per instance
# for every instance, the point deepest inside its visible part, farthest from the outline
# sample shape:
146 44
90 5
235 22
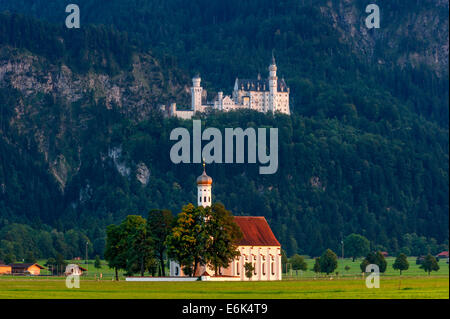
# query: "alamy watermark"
373 19
73 273
373 280
73 19
257 146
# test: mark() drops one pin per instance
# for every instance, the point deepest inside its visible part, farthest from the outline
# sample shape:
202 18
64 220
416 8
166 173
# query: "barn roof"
25 265
256 232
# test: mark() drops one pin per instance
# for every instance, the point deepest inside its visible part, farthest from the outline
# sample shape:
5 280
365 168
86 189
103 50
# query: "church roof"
259 85
256 232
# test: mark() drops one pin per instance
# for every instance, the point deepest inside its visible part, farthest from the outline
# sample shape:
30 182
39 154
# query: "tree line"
196 237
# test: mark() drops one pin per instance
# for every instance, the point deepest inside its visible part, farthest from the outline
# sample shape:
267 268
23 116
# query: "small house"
442 255
75 270
4 269
26 269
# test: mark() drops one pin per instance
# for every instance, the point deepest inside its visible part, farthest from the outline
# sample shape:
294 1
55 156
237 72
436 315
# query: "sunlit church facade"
258 246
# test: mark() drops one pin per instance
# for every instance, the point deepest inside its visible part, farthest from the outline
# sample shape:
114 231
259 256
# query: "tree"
159 226
374 258
284 260
114 251
97 262
248 267
10 258
51 265
328 262
316 267
127 246
298 263
60 264
401 263
138 246
223 236
30 258
429 264
356 246
188 239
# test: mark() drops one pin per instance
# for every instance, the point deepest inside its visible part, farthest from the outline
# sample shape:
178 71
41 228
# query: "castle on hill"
263 95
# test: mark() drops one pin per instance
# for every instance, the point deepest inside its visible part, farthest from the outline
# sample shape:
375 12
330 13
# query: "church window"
200 199
204 199
254 266
209 199
176 271
273 268
263 269
237 268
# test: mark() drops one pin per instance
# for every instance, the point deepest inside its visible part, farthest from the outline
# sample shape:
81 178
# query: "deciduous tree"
356 246
223 236
328 262
401 263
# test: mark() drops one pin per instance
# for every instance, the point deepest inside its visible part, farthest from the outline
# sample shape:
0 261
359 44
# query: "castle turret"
204 184
273 82
220 100
196 94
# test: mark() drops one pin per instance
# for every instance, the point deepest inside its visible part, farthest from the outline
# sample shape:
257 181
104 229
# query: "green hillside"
365 150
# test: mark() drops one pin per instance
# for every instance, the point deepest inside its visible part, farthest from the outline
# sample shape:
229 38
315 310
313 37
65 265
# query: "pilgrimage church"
258 245
263 95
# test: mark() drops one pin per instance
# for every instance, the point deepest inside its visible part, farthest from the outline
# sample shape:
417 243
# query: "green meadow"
353 270
347 284
390 288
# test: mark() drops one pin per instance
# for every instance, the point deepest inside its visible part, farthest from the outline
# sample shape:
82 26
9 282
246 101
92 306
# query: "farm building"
442 255
4 269
76 270
26 269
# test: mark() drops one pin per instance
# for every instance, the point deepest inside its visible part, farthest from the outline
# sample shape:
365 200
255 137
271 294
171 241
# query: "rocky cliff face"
41 84
416 33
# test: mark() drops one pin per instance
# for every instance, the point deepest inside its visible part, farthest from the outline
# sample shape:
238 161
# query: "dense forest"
365 150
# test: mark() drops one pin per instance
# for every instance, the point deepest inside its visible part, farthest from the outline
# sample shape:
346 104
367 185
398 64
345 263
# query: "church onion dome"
204 179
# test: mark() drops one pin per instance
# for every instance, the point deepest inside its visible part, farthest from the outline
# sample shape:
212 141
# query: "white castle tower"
273 83
204 183
196 94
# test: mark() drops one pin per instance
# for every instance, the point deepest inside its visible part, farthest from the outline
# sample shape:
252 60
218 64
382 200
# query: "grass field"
390 287
353 272
301 285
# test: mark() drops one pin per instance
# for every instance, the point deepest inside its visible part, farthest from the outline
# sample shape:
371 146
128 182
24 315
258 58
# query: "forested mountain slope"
83 145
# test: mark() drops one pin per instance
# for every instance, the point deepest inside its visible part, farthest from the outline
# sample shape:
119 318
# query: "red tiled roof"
256 232
444 253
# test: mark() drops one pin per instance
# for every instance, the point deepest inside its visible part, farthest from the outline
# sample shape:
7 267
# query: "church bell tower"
204 184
